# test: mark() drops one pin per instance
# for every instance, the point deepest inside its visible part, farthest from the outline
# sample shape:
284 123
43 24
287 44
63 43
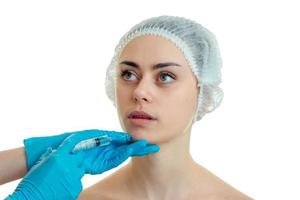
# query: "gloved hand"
57 175
35 146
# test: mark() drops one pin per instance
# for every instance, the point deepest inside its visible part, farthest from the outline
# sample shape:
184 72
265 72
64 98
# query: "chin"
139 134
142 134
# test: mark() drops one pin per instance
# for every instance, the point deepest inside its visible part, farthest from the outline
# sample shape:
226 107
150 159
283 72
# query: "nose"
142 92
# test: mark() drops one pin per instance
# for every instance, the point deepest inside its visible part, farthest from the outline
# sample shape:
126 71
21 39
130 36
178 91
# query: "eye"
166 74
125 73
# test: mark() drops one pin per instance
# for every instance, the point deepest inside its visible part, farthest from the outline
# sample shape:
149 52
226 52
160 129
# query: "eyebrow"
156 66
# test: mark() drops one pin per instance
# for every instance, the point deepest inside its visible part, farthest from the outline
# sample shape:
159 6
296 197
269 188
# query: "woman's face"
167 93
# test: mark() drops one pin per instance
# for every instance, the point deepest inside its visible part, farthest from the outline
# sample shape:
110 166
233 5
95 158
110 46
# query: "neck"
159 174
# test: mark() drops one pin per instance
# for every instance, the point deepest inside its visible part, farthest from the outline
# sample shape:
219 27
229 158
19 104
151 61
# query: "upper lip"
140 113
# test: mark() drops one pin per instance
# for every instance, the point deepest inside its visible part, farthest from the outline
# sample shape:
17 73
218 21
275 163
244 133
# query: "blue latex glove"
57 175
35 146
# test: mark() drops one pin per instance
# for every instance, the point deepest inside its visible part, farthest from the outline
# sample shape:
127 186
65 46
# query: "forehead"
152 49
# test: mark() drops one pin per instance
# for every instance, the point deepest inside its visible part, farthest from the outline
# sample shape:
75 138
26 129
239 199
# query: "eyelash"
123 72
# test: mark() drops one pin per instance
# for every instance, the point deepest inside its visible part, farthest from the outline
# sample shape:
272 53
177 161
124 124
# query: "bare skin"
12 165
203 185
170 173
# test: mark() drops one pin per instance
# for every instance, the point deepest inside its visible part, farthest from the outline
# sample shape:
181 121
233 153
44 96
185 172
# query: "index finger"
119 137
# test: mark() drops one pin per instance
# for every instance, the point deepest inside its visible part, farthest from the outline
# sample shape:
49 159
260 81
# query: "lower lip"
138 121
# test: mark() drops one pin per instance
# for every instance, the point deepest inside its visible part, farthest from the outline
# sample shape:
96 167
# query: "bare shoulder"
227 192
211 187
230 196
221 194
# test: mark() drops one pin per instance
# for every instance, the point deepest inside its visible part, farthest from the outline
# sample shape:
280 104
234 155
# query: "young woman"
166 69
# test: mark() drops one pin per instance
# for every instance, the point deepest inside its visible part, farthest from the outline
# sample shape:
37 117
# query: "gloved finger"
138 144
77 158
146 150
119 137
75 163
119 156
81 173
69 143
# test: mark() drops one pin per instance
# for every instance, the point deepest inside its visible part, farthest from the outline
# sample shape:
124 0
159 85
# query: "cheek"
122 94
121 102
178 112
182 104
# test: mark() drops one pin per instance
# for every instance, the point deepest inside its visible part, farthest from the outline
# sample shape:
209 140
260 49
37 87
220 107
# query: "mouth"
140 121
141 118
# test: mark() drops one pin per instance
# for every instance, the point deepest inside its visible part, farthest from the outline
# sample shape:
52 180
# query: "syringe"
93 142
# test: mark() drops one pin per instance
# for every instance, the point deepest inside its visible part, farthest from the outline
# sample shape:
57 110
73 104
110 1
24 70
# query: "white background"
54 54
